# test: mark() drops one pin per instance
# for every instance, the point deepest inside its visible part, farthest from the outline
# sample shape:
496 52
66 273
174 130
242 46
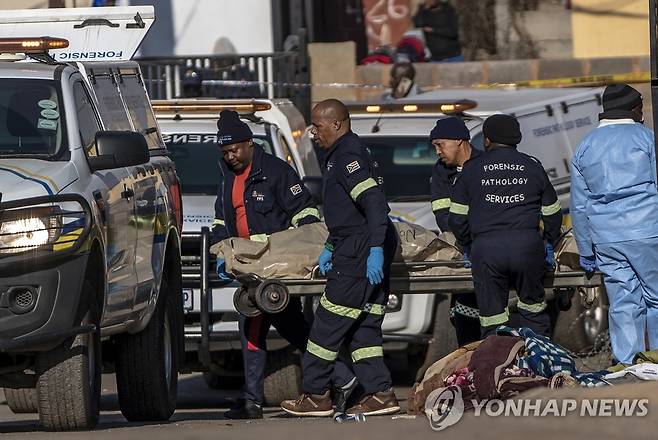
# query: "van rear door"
552 131
94 34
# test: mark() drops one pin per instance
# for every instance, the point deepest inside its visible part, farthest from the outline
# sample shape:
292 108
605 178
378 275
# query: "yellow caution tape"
577 81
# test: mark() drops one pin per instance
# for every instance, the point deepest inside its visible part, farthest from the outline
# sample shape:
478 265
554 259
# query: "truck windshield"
405 163
31 117
197 157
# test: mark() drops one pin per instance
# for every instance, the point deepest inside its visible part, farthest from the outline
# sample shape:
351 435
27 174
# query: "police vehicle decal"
23 176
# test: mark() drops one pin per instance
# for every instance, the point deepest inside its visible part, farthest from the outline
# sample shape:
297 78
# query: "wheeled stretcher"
258 294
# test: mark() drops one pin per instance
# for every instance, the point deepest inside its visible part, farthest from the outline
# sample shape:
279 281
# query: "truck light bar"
192 106
447 107
31 45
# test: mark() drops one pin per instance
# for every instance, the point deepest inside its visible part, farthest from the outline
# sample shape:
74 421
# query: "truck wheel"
580 329
147 365
444 338
283 378
22 400
69 383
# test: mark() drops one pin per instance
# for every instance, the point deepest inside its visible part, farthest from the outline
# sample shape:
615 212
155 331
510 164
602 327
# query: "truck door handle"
127 193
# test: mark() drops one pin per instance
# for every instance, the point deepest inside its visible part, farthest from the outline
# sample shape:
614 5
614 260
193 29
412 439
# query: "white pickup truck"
90 221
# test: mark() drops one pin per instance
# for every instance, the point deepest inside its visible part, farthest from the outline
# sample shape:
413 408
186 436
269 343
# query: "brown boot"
309 405
377 404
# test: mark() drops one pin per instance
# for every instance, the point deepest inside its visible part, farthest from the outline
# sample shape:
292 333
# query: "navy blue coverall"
351 309
463 308
275 199
497 204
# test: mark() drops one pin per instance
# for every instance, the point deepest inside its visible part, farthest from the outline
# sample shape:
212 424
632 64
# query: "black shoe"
342 395
245 410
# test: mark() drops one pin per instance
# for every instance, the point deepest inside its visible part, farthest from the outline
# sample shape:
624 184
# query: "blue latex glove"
588 263
375 265
549 256
466 257
324 261
221 270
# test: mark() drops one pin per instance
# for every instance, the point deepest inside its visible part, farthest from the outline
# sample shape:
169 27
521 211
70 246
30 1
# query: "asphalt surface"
200 417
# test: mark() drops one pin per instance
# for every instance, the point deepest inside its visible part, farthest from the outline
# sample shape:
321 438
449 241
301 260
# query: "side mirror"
314 185
118 149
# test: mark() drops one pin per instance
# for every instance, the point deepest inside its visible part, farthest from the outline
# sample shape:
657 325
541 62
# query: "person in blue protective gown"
614 212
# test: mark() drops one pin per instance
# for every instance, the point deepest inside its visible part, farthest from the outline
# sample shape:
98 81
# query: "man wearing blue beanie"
450 137
259 195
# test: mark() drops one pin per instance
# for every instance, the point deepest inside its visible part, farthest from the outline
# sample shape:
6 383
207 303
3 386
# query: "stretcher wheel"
272 296
245 304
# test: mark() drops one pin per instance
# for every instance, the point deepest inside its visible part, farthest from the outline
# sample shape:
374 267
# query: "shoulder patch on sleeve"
353 166
295 189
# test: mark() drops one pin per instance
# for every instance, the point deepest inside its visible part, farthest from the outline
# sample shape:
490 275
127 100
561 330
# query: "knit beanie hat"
620 97
231 130
502 129
450 128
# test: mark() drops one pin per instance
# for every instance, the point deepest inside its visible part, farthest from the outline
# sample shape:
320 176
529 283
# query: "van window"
87 122
405 163
113 113
31 117
478 141
197 159
139 109
287 155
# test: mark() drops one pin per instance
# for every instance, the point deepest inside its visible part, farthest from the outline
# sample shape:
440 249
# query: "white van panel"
94 34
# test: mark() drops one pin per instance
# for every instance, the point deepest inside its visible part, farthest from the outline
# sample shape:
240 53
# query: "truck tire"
69 382
22 400
283 377
147 365
444 338
581 329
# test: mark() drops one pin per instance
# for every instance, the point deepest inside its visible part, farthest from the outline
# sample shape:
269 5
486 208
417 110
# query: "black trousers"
292 326
465 317
351 311
510 259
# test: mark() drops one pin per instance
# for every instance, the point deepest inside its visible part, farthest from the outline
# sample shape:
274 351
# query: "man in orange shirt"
260 195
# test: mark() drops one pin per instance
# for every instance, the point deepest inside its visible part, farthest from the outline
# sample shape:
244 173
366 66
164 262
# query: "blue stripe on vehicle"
40 182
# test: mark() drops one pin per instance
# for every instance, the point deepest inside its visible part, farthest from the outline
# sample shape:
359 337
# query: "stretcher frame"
410 284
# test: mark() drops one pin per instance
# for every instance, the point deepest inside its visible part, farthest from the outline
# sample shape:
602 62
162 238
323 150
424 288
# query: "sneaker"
245 410
309 405
377 404
342 395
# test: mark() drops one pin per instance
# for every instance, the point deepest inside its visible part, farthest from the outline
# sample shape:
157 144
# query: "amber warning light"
31 45
199 106
446 107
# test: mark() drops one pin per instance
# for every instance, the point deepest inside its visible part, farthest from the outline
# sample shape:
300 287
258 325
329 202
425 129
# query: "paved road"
200 418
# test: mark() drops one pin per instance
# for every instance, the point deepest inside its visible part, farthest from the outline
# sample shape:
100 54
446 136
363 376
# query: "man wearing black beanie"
259 195
497 203
614 212
450 137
